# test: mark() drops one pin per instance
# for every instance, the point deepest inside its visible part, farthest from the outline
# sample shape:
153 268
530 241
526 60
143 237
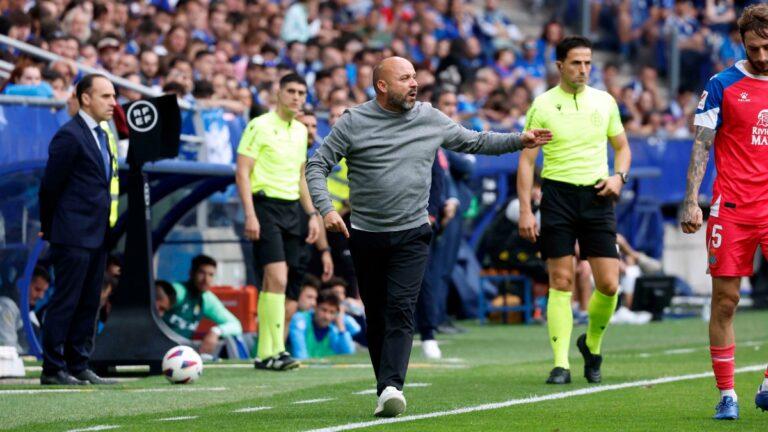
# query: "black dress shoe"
60 378
91 377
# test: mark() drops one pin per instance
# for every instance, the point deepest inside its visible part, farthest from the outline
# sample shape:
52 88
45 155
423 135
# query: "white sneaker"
431 349
391 403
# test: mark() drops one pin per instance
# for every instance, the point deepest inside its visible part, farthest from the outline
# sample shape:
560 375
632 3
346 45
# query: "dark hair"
202 53
42 273
51 75
114 259
203 89
174 87
19 19
85 84
200 261
442 90
754 18
311 281
328 298
167 288
332 282
292 78
569 43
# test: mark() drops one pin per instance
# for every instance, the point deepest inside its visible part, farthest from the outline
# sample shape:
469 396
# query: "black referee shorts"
280 236
570 213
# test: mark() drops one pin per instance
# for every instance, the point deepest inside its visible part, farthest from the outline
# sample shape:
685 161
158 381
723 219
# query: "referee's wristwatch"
314 213
624 176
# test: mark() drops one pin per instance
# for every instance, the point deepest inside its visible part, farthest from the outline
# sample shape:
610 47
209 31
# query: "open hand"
536 138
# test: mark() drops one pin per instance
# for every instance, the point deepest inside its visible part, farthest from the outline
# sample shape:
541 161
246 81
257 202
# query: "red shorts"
731 247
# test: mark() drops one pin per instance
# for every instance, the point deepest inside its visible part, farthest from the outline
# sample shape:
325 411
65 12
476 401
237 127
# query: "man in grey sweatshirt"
390 144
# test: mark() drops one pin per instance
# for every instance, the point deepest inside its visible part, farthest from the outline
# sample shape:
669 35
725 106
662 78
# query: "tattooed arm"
692 218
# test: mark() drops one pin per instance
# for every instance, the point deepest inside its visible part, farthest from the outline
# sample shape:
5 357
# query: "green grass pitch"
488 364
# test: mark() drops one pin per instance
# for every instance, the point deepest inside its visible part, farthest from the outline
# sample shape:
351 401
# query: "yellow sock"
264 350
601 308
560 325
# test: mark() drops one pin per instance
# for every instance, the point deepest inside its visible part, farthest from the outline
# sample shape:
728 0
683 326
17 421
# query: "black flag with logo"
155 127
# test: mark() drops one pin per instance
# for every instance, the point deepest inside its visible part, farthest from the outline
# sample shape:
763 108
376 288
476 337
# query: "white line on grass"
169 419
35 391
95 428
530 400
21 392
178 389
311 401
251 409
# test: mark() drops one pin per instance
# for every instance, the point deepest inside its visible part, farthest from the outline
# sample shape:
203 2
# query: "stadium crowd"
227 57
229 54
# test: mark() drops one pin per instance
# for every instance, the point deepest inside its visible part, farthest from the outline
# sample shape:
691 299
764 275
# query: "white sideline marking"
311 401
680 351
177 389
177 418
532 399
251 409
95 428
148 390
373 391
31 391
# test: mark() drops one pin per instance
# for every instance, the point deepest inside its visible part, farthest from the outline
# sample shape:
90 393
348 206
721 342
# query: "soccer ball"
182 365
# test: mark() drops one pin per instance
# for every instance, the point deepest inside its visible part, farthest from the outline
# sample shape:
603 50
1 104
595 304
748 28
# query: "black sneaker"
592 362
280 362
559 375
286 362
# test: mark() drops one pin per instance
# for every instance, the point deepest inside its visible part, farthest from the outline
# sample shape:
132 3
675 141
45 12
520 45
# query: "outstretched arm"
692 218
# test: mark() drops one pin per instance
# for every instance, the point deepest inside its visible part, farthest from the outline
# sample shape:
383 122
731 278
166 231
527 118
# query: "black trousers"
428 306
389 268
70 318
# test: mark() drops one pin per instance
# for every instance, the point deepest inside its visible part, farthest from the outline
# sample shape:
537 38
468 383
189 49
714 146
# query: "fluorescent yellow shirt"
581 125
278 149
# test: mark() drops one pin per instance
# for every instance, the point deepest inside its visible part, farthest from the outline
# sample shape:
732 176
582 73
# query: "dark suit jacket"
74 193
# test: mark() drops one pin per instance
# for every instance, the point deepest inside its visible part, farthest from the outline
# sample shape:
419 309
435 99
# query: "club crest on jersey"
703 100
597 119
760 130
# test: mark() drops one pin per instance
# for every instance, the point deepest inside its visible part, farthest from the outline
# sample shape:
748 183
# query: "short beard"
400 102
763 71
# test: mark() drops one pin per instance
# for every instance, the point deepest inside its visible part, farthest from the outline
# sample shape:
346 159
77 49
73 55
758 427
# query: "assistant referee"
271 184
578 201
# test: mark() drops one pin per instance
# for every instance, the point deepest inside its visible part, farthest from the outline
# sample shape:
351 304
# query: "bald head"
394 80
388 68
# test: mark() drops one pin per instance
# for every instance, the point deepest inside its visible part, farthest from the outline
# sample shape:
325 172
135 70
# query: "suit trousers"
389 268
70 320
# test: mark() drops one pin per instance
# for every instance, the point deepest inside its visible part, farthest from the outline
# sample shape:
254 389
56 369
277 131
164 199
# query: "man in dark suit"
74 214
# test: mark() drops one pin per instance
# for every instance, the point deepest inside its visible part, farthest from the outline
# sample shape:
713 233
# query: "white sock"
765 384
731 393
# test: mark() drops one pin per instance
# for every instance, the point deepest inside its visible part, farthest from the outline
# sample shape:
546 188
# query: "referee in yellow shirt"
271 184
578 201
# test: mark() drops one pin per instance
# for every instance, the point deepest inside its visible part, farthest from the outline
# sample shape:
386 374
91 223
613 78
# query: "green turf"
493 364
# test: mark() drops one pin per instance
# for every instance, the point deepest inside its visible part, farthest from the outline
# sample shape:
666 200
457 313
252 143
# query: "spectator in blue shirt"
26 80
322 332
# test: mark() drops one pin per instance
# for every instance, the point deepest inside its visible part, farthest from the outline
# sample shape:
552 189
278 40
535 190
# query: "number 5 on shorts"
716 238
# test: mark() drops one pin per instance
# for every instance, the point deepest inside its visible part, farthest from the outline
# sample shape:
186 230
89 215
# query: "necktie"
103 148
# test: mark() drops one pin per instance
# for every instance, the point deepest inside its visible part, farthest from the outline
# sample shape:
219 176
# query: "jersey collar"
742 69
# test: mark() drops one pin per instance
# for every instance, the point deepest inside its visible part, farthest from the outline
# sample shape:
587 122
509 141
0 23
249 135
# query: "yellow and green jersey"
581 125
278 149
